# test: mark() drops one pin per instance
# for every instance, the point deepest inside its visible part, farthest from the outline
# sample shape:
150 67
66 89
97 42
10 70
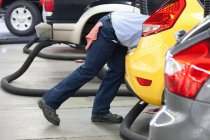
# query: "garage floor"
21 119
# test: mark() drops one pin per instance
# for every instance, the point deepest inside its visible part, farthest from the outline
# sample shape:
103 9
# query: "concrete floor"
21 119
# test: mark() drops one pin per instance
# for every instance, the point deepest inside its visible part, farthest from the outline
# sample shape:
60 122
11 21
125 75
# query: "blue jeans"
106 49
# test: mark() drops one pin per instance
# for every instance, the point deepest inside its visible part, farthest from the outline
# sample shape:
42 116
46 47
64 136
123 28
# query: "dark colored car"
71 20
21 16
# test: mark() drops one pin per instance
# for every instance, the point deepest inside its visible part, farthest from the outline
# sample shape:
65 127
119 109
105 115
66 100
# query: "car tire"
21 18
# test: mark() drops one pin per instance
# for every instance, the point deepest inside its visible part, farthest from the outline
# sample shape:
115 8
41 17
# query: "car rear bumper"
44 31
181 119
147 62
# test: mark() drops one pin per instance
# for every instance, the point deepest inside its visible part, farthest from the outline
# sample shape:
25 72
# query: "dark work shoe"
49 113
109 118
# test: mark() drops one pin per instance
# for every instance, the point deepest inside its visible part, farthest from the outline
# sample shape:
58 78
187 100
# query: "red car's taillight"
164 18
1 3
41 2
49 5
187 71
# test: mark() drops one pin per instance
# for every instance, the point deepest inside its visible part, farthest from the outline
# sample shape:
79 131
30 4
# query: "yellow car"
145 64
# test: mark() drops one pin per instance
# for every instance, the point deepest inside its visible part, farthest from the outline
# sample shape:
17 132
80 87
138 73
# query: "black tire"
29 8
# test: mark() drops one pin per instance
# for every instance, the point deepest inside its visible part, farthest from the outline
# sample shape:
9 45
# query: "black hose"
51 56
6 81
31 42
125 131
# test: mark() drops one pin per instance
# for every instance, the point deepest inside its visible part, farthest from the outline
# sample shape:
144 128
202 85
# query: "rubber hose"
31 42
51 56
6 81
125 131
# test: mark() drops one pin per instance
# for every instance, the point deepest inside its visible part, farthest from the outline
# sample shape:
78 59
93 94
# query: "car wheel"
21 18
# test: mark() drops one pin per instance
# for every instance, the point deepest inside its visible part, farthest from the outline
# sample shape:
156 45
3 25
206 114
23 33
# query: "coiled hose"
6 81
50 56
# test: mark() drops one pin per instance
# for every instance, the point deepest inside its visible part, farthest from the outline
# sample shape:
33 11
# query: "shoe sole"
41 107
105 121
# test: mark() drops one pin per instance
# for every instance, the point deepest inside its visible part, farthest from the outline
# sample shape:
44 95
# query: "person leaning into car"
106 43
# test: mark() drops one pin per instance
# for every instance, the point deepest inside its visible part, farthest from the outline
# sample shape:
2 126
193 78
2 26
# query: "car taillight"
1 3
41 2
144 82
49 5
187 71
164 18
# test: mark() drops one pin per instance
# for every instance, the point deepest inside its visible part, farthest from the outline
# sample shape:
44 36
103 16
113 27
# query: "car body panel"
70 11
5 3
148 59
71 32
181 119
70 28
202 96
73 29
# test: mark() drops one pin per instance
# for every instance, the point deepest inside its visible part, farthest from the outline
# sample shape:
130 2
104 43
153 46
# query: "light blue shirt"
128 27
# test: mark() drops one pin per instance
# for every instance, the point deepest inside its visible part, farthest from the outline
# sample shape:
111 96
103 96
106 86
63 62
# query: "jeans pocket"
109 35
